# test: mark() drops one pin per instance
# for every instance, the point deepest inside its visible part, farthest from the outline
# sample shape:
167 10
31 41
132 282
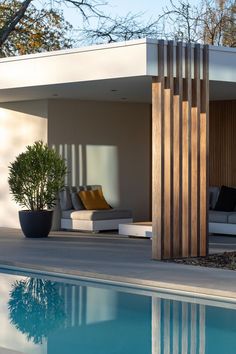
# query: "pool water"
49 315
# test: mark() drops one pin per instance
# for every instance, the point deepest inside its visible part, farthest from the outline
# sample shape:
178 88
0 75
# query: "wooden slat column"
180 151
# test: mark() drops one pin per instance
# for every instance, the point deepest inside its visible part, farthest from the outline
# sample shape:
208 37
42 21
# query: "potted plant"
35 178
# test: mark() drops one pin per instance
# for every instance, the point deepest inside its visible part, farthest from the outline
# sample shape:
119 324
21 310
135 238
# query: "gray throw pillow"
65 199
76 202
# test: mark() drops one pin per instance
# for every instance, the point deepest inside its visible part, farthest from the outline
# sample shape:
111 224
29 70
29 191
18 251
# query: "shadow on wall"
92 164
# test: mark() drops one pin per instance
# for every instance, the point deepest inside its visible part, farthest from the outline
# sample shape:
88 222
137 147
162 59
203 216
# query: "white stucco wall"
21 124
106 143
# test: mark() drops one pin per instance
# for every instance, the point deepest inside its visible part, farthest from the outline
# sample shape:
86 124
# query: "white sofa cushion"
97 214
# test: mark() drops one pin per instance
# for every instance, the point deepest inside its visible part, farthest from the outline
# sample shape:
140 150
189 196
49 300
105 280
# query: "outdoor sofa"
74 215
221 222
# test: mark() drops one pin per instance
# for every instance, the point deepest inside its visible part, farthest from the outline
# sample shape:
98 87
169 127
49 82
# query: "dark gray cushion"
76 202
213 196
226 200
97 214
65 199
218 216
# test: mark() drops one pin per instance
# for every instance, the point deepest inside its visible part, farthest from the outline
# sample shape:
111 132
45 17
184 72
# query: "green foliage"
39 30
36 176
36 308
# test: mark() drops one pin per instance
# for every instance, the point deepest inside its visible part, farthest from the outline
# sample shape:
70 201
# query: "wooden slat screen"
180 151
222 161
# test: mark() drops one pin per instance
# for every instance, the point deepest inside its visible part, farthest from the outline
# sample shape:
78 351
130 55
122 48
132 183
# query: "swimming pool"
53 315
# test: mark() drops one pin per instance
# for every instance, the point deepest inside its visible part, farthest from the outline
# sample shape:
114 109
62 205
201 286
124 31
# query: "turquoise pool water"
49 315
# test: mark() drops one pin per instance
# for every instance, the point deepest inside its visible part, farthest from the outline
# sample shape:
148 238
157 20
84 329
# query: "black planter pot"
36 223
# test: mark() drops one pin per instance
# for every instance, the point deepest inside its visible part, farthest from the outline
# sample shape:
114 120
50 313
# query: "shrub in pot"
35 178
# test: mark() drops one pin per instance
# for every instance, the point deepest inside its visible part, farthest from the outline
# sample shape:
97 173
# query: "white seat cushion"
97 214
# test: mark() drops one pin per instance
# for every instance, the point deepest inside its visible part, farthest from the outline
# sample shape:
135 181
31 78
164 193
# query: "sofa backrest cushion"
214 192
65 199
69 198
76 202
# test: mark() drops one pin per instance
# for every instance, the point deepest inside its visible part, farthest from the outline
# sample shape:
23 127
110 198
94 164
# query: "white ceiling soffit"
133 89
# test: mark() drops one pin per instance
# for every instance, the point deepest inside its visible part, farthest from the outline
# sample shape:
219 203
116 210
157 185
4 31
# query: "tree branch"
10 25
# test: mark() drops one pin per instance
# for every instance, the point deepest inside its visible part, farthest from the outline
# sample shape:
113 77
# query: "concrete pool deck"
109 257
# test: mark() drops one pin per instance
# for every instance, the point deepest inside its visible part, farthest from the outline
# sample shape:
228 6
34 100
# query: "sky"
149 8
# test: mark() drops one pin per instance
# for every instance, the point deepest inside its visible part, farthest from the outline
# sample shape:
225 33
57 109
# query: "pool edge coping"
103 278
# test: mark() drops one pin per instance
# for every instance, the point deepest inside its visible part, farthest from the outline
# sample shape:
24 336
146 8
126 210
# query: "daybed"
220 222
74 216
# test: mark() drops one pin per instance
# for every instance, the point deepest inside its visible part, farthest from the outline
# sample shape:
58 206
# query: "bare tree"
182 21
219 23
87 8
210 21
116 29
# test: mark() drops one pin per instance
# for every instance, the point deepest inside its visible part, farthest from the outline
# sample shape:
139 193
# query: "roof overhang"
120 71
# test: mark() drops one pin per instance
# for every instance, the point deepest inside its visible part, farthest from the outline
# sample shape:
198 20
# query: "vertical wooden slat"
158 157
203 183
170 73
157 225
195 155
185 181
177 152
186 157
168 153
176 178
204 152
167 174
194 182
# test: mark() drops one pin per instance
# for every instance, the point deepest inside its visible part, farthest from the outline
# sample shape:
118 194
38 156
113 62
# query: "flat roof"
37 76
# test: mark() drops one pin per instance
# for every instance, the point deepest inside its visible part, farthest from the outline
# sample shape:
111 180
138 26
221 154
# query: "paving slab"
110 257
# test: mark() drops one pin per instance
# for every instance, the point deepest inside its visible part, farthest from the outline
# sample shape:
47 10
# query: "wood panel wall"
222 148
180 151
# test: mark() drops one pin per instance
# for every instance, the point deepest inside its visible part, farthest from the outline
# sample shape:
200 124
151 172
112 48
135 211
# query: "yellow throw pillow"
93 200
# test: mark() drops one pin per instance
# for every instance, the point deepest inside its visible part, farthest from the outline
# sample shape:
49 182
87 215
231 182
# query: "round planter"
36 223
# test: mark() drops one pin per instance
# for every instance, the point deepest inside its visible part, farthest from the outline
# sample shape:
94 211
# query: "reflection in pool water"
44 316
36 308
